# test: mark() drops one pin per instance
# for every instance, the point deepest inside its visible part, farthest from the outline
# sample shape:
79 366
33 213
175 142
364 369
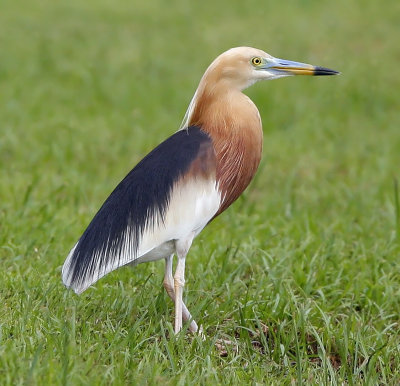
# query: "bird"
193 176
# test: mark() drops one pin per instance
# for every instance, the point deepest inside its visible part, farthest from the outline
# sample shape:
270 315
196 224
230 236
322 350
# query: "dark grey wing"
136 210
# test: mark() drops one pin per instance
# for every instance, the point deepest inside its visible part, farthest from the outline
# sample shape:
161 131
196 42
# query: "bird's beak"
287 67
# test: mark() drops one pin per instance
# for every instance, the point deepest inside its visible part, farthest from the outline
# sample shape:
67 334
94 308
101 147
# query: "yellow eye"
256 61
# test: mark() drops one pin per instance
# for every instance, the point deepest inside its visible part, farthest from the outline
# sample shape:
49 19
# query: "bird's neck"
221 108
233 122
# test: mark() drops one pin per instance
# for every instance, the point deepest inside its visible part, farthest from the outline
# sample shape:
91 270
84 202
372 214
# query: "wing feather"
170 192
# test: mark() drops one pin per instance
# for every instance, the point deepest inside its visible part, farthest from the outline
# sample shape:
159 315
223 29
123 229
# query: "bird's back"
169 194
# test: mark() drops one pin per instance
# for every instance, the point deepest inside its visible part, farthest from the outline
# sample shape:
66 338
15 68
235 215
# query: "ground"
301 275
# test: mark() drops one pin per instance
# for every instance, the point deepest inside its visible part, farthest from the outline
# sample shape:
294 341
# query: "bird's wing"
170 194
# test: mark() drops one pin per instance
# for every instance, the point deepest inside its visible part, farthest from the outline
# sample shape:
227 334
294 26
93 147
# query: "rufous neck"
223 108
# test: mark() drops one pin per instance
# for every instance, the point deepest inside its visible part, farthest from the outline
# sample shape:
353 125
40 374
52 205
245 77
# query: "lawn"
301 274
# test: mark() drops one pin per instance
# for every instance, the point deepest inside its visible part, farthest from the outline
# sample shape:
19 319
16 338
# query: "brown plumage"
232 121
190 178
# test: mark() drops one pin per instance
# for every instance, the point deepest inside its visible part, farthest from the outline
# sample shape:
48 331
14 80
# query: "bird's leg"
169 287
182 248
168 278
179 282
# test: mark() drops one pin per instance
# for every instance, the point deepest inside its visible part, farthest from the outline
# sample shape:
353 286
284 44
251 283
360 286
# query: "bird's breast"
238 156
233 123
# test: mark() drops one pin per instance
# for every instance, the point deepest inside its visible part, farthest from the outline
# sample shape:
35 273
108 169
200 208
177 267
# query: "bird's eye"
256 61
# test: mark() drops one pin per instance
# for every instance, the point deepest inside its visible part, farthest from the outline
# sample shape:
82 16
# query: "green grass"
302 273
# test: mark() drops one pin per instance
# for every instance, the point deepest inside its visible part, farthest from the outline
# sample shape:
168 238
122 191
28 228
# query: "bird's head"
241 67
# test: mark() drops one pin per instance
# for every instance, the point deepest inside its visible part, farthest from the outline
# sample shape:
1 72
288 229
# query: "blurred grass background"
302 273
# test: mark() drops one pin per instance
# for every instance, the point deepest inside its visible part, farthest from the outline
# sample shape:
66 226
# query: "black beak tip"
325 71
